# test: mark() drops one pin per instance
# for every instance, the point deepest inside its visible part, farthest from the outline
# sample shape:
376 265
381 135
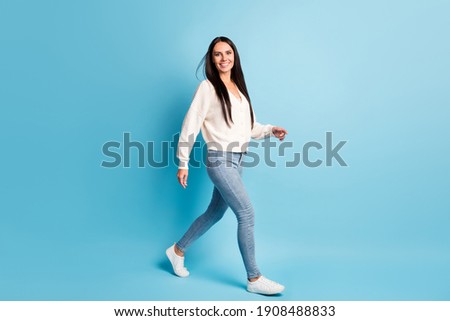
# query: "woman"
221 108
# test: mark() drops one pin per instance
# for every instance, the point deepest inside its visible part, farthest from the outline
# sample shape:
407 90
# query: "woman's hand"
279 132
182 177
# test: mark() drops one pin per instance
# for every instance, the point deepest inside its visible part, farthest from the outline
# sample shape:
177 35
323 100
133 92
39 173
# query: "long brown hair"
237 76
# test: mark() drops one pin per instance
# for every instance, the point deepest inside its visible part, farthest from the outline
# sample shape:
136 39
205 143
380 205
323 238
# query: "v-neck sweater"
205 113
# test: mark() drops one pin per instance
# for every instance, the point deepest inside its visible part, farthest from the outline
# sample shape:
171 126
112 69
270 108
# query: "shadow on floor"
165 265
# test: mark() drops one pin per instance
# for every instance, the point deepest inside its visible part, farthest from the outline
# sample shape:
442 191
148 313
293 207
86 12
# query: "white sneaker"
264 286
177 262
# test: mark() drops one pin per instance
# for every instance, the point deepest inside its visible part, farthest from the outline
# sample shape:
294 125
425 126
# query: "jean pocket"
215 158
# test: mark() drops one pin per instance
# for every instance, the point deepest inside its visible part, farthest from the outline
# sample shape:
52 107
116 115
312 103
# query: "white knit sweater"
205 113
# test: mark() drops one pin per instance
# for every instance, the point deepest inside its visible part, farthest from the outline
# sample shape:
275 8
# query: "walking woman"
221 108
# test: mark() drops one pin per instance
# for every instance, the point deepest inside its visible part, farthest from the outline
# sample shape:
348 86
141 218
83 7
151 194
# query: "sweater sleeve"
261 131
192 123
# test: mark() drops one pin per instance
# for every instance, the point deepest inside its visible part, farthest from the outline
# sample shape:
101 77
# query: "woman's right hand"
182 177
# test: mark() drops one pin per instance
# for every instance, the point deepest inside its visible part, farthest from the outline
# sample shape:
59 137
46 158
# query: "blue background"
77 74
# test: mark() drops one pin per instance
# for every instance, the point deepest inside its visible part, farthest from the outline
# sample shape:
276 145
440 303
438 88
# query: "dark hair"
212 74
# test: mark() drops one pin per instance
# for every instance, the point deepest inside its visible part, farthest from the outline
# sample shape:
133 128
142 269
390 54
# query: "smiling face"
223 57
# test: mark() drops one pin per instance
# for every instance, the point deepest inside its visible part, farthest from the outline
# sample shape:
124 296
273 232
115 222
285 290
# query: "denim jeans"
225 170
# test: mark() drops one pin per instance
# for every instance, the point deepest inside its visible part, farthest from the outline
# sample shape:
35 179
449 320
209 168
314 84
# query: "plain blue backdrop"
77 74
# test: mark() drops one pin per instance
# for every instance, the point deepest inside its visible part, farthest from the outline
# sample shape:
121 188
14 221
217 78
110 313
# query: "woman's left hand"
279 132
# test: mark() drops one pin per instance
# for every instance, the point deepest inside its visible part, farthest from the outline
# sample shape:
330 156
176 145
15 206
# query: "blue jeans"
225 170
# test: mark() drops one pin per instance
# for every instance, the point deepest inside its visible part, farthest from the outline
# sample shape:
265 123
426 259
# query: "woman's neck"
226 78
